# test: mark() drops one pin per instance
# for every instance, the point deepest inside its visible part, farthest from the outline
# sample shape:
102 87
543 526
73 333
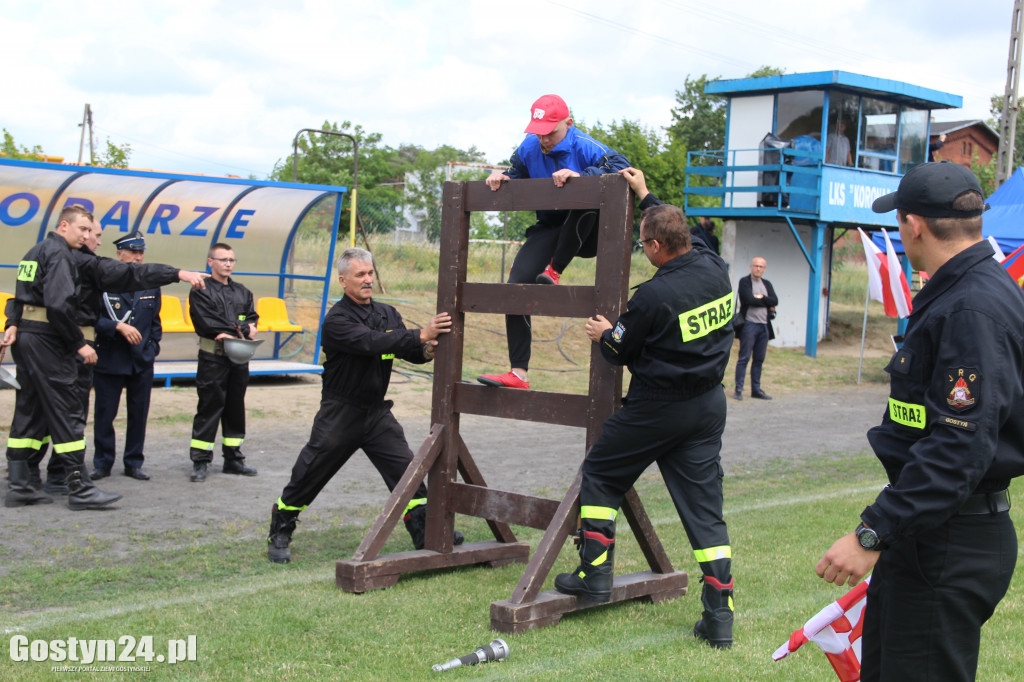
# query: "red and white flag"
1014 264
886 281
836 629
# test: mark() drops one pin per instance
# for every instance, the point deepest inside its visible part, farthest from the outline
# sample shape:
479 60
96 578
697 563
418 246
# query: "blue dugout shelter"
806 155
181 216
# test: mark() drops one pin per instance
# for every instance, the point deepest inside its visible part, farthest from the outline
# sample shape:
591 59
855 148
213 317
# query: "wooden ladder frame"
444 453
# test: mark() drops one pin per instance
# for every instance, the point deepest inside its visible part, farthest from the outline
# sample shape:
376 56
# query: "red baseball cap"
546 113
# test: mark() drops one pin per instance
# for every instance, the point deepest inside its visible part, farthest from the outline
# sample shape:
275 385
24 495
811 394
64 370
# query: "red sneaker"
549 276
508 380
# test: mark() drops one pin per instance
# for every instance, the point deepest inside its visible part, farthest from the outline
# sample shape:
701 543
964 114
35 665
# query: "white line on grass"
784 502
60 616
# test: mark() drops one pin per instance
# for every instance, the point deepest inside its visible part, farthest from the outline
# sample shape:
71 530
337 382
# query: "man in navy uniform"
128 335
938 539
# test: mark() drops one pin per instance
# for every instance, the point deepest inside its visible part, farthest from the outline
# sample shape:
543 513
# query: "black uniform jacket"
745 292
142 311
361 342
676 333
221 309
98 274
955 420
47 276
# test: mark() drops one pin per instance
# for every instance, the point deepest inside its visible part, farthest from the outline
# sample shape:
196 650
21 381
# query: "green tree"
1018 139
325 159
10 150
699 127
986 173
648 150
115 156
426 173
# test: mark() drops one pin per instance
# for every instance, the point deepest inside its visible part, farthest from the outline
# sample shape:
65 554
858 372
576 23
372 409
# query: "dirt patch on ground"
518 456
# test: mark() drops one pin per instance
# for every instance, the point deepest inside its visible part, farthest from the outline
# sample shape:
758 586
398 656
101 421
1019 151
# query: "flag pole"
863 331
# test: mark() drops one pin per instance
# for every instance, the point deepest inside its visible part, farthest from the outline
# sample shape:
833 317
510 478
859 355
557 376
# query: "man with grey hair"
361 339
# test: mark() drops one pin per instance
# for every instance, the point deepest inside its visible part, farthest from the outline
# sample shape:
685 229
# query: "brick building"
963 140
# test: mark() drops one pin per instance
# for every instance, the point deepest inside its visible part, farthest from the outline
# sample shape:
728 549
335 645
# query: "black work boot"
282 525
35 479
55 484
416 524
199 470
715 624
20 492
592 579
82 494
236 465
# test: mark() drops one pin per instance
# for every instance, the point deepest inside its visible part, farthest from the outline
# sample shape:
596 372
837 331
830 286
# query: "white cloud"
223 87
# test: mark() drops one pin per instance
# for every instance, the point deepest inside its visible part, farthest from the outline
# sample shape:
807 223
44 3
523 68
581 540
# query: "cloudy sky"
210 87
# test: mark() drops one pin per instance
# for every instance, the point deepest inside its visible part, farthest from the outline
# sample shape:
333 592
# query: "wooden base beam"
376 574
549 607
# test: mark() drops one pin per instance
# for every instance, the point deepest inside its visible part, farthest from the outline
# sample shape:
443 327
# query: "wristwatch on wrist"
868 538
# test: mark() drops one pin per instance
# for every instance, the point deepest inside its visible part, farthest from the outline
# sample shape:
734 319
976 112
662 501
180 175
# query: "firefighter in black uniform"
225 309
675 337
361 338
95 273
128 335
48 346
939 536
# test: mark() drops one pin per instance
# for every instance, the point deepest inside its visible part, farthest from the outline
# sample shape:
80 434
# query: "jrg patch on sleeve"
963 388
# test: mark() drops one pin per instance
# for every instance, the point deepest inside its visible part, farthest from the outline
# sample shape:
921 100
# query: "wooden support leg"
529 608
366 571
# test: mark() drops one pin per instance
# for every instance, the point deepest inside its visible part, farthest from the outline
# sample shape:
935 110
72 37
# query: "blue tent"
1004 221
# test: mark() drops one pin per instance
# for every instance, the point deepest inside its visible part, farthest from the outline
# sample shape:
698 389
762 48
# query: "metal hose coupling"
497 650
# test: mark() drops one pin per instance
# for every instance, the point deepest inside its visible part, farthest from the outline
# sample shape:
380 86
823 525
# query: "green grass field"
255 620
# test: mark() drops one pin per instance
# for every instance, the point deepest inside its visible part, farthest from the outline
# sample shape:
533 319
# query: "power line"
176 153
653 36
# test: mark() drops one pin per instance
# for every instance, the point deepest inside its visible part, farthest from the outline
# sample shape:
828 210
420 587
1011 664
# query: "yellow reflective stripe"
705 319
30 443
285 507
69 447
27 270
46 440
713 553
601 559
200 445
413 504
231 442
907 414
602 513
387 356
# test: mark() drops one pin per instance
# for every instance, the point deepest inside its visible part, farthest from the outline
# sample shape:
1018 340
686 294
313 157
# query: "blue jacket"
578 152
142 311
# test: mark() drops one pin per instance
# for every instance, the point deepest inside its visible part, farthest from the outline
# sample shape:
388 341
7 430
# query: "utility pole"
1008 123
86 122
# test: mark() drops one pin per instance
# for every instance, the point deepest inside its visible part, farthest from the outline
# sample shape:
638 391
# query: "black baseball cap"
930 189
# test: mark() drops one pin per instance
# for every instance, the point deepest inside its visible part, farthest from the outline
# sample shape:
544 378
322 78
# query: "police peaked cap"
131 242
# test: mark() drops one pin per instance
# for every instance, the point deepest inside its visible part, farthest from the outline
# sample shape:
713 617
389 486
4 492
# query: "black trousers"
138 387
557 244
221 386
685 439
929 597
340 429
83 384
49 403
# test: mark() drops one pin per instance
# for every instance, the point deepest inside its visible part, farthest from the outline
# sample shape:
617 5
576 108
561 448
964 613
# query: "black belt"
986 503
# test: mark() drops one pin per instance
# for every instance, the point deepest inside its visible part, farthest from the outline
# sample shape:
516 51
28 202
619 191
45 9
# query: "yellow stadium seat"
188 316
171 318
4 297
274 316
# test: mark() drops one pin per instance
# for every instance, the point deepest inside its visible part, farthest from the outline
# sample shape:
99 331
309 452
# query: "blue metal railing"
791 185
